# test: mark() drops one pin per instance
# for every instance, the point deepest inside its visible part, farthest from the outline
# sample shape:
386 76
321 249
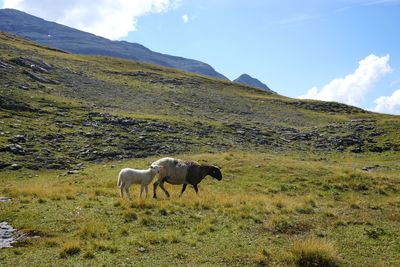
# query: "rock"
23 87
46 151
11 104
347 141
15 149
66 125
15 167
78 166
19 138
4 165
39 78
34 64
376 133
357 150
6 235
142 249
370 168
5 199
378 149
72 172
4 65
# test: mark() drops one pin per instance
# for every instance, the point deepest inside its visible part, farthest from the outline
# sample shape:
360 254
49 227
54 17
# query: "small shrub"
264 258
311 203
314 253
130 217
288 226
92 229
88 255
51 243
69 197
124 232
147 222
280 205
360 187
305 210
375 233
70 249
163 212
105 246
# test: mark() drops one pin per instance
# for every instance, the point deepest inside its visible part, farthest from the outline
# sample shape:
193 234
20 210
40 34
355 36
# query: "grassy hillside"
91 108
304 181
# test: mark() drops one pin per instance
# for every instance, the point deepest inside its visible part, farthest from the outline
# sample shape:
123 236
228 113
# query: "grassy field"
269 209
306 183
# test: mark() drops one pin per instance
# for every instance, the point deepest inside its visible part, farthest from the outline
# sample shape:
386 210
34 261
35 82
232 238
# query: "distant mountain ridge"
76 41
248 80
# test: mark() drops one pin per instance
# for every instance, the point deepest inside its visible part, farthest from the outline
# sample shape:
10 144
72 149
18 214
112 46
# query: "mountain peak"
250 81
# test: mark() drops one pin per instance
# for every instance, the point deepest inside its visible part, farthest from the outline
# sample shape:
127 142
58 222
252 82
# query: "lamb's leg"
127 192
163 188
141 191
146 188
121 190
183 189
196 188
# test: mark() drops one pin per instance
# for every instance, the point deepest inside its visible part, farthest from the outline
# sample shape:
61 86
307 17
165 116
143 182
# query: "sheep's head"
215 172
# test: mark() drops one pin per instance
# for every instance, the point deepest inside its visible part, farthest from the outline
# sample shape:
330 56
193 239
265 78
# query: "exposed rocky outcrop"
12 104
34 64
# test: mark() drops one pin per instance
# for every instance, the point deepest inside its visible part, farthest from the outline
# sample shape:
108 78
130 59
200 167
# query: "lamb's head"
155 168
214 172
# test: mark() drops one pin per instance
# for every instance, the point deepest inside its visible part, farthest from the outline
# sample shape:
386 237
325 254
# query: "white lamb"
130 176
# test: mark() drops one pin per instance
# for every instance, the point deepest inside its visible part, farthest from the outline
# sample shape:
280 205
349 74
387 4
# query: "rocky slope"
58 110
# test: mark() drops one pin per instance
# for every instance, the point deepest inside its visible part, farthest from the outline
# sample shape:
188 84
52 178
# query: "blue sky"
292 46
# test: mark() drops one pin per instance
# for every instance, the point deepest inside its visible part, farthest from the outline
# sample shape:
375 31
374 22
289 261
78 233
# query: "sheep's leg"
183 189
146 188
196 188
121 190
127 192
155 185
141 191
160 182
163 188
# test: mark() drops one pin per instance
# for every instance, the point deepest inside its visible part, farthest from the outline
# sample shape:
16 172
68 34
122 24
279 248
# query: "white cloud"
388 104
393 83
293 20
185 18
352 88
108 18
379 2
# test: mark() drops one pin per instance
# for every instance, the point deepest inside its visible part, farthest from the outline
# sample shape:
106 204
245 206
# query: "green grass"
264 206
293 193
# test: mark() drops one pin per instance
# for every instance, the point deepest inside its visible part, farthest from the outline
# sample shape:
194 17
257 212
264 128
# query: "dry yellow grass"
314 252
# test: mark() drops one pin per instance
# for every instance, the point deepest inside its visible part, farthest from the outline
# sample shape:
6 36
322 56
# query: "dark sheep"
175 171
